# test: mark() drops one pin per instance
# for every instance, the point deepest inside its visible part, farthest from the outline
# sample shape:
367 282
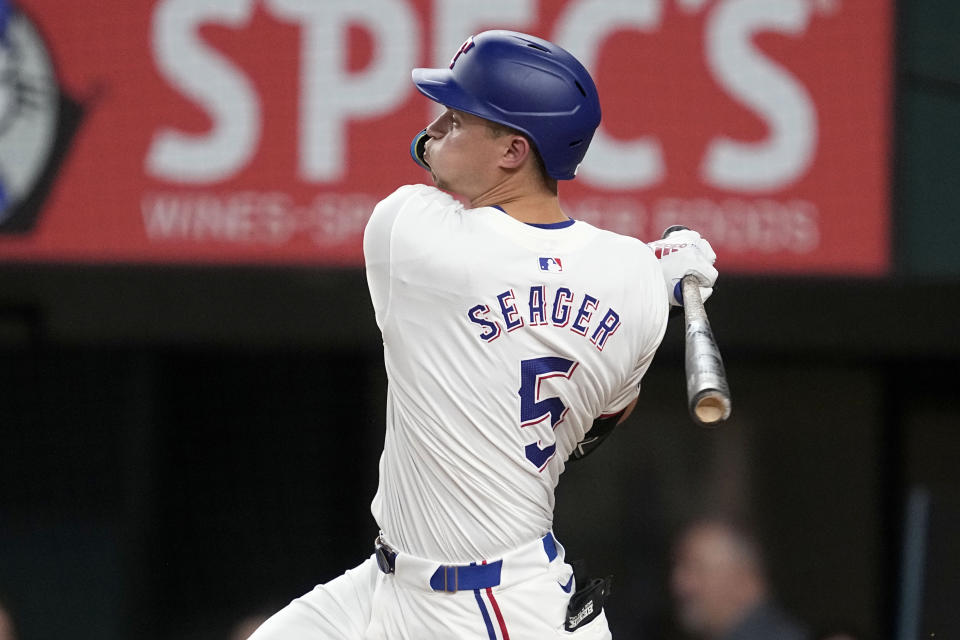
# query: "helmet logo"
466 46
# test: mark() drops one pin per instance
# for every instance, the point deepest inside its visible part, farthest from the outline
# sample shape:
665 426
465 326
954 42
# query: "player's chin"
438 181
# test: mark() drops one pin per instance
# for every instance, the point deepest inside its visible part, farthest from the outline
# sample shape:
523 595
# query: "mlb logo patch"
551 264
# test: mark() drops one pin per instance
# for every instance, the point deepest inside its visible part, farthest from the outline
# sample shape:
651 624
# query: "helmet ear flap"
418 147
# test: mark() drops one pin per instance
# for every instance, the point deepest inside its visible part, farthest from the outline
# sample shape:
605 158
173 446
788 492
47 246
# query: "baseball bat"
708 393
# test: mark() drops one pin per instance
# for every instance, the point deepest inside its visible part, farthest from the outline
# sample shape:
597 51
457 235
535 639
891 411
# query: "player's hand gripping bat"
708 394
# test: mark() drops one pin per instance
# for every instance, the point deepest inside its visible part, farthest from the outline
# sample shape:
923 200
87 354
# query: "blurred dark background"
182 447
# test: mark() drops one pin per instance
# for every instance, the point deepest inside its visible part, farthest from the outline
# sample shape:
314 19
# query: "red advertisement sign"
264 131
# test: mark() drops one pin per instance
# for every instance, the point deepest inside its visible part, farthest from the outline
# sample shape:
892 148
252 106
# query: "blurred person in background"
7 631
719 584
839 632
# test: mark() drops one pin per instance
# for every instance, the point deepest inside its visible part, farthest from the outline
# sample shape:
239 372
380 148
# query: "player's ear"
515 152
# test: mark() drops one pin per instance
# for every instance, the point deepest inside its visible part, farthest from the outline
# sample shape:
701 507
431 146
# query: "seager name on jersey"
561 309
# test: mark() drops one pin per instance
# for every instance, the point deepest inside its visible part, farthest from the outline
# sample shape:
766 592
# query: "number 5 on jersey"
533 410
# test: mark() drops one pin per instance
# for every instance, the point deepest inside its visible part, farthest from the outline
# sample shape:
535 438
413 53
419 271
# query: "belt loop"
446 578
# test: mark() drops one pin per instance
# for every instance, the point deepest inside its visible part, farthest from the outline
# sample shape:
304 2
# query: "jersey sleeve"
654 309
377 237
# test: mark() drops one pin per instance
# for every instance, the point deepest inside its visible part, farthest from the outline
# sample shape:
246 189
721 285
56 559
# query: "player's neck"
533 206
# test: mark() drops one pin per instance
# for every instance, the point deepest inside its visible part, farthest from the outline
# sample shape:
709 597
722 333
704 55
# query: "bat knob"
671 229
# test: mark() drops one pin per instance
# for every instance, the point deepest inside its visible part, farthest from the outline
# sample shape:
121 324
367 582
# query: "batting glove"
683 252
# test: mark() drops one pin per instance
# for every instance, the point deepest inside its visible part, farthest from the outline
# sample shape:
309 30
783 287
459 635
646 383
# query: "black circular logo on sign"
37 121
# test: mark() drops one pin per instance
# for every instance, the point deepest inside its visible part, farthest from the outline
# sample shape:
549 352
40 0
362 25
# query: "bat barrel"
708 393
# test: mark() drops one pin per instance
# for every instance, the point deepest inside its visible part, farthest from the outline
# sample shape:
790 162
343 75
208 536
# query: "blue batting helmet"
526 83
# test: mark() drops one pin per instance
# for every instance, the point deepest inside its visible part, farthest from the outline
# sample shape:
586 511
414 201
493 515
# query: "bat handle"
708 393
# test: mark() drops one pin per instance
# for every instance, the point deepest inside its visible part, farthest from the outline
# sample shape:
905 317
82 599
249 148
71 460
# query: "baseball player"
514 339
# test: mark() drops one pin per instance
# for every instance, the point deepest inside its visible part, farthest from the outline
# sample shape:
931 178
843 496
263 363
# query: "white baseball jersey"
503 342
